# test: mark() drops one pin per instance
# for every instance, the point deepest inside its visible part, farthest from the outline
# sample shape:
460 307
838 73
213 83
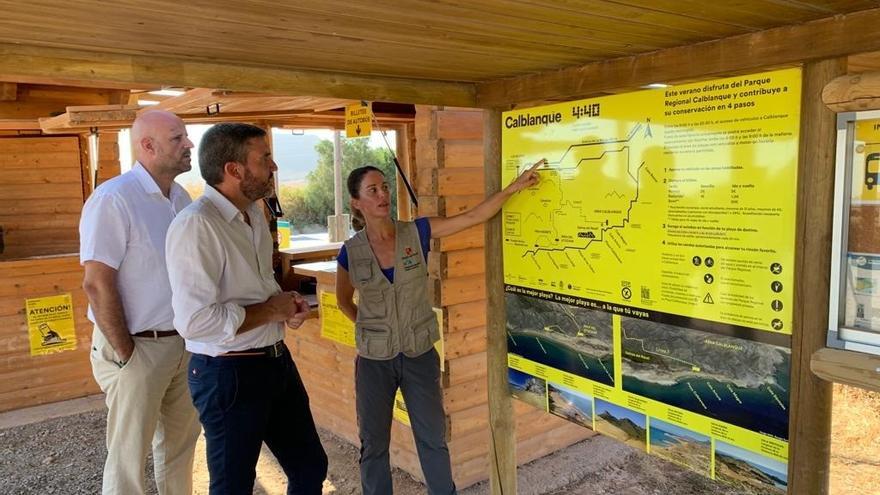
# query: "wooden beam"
817 40
810 419
241 116
853 93
855 369
21 61
8 91
182 102
19 125
84 118
502 440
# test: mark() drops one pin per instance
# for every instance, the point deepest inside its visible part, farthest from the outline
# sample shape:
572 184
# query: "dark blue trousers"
418 378
244 401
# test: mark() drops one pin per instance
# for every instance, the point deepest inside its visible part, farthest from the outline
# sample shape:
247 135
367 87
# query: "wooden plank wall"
41 196
27 380
449 157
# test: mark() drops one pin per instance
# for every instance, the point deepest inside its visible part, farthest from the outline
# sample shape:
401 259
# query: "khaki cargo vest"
392 318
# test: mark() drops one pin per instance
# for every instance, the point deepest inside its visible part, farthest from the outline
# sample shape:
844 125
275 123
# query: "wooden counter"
304 254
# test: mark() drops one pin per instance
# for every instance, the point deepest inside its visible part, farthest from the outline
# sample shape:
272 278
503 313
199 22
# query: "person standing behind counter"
231 312
395 326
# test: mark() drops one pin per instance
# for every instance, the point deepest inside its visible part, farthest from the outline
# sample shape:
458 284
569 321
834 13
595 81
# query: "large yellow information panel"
649 275
680 200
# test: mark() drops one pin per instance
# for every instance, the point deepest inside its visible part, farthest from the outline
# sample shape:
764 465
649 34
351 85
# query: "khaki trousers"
148 402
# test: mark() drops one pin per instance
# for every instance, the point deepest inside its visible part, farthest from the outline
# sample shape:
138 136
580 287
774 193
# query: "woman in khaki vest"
395 327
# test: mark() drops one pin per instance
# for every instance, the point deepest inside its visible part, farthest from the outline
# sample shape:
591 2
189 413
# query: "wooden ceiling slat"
608 16
415 22
302 34
750 14
435 65
449 19
449 40
817 40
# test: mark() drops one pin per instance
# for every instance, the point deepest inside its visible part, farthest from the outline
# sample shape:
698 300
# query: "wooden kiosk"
491 56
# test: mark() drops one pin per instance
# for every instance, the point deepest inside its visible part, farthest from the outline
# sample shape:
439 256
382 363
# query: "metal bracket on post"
94 140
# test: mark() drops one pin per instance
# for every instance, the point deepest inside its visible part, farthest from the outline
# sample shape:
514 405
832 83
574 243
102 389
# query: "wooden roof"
451 40
452 52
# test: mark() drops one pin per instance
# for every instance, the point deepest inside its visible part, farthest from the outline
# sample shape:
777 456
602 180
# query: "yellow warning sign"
51 327
359 120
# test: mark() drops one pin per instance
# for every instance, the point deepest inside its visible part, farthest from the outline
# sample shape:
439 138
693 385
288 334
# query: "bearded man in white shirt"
138 359
232 312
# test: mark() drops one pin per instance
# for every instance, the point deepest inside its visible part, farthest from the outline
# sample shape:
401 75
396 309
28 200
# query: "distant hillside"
626 425
295 155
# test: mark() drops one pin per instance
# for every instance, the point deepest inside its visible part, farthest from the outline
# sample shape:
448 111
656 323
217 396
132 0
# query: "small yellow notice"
358 120
335 325
51 327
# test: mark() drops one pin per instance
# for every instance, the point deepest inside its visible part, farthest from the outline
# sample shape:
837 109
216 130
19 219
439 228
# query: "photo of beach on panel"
565 337
750 472
527 388
570 404
681 446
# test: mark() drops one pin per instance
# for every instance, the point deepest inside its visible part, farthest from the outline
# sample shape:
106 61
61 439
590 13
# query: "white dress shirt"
123 226
218 264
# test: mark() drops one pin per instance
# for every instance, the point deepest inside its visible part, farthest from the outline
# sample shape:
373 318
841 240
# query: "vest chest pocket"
374 341
361 271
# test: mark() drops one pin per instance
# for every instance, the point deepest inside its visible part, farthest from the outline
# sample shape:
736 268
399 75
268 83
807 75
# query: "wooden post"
810 427
502 438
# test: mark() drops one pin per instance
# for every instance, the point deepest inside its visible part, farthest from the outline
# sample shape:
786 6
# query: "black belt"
155 334
275 350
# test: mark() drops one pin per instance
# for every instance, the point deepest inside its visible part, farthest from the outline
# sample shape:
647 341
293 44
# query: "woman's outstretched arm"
441 227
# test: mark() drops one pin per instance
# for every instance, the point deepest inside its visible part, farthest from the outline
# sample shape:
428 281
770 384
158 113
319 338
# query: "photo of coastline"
570 404
682 446
527 388
735 380
565 337
751 473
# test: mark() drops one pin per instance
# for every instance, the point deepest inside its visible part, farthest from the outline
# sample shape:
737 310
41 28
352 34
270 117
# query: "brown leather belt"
275 350
155 334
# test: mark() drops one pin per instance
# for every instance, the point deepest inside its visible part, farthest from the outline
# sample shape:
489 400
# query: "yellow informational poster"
680 200
866 162
283 234
335 325
358 120
51 327
649 275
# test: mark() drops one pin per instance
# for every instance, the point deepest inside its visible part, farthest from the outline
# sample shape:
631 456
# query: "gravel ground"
65 455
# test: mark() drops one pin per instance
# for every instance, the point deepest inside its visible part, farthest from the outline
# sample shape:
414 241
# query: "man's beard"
254 189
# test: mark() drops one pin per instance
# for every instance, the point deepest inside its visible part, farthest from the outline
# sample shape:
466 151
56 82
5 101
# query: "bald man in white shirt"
232 313
138 359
